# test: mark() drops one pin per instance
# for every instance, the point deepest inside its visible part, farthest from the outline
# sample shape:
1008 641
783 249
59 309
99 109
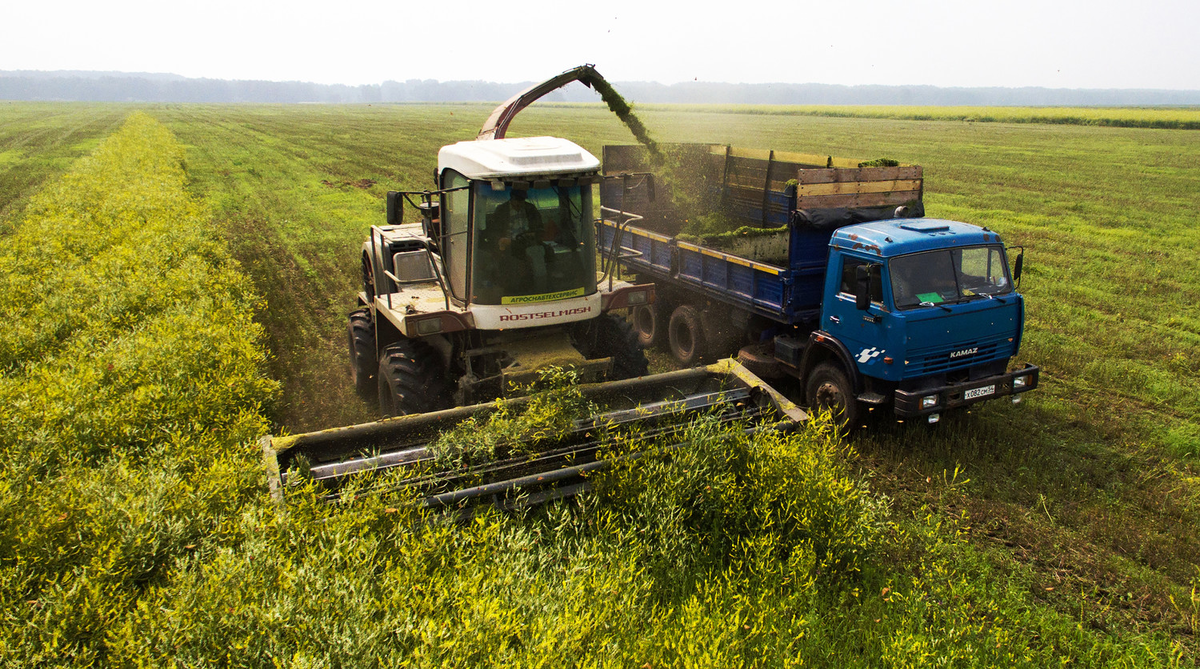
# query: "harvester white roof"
516 157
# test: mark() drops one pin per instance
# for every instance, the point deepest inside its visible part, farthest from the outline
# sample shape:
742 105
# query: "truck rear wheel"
829 389
363 365
612 337
647 326
685 336
411 379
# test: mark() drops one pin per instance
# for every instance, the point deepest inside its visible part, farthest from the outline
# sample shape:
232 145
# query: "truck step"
872 398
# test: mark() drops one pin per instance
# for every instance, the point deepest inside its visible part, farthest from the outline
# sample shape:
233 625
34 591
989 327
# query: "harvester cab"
496 282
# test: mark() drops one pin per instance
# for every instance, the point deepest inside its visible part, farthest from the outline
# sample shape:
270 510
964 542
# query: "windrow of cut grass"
130 381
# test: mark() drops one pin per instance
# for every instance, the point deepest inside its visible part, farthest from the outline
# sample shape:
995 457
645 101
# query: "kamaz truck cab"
922 313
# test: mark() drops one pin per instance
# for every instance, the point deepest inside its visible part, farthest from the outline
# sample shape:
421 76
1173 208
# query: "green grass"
38 141
1111 430
1063 528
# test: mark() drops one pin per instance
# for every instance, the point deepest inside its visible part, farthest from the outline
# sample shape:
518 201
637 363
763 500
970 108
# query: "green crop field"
176 283
1179 118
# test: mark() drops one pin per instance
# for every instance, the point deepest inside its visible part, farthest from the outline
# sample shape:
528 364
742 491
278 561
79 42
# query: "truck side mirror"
1020 262
862 287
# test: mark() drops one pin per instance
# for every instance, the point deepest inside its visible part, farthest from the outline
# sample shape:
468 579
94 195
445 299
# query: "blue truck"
833 277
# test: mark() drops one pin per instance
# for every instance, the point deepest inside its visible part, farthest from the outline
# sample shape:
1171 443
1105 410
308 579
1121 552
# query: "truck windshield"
532 245
950 275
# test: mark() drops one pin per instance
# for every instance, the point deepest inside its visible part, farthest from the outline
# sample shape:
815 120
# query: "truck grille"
941 359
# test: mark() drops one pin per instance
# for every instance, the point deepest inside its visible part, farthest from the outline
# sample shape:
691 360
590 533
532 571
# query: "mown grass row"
130 380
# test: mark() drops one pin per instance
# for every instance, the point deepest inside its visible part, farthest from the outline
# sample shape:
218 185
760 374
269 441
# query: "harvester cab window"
454 221
949 276
532 244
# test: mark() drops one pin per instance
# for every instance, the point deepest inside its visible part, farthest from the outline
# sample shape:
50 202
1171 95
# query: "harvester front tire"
363 365
411 379
612 337
829 389
685 336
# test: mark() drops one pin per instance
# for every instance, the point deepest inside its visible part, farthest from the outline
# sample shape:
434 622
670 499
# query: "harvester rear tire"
685 336
411 379
363 364
612 337
829 389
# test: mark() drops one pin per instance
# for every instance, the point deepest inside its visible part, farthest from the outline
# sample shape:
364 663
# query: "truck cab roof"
901 236
516 157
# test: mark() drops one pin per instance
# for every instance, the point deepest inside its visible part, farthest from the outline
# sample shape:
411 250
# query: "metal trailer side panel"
760 288
741 280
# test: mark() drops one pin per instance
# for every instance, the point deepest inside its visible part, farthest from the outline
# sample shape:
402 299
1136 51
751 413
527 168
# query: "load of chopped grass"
766 245
880 162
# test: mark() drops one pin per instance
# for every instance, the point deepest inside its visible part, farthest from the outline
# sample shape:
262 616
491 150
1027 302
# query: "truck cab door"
862 331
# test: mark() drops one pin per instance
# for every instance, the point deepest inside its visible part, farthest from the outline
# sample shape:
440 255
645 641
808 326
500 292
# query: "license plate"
979 392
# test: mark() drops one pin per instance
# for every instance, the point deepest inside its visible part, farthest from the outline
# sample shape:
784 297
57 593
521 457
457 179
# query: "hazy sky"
1055 44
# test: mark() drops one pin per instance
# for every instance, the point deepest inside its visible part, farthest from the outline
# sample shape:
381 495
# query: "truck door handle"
835 319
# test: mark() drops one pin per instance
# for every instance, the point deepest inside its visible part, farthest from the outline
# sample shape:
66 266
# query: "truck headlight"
1020 382
929 401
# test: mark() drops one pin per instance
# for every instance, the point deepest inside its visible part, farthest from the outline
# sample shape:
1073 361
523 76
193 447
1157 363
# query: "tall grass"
130 377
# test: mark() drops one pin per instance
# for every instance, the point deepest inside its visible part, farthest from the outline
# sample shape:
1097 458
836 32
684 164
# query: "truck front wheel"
411 379
829 389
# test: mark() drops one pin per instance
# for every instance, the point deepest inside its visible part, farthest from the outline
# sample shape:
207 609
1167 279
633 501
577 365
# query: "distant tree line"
145 87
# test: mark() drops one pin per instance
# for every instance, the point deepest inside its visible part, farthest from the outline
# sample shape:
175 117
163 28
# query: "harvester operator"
517 227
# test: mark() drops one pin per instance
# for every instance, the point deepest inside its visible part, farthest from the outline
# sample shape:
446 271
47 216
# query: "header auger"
643 411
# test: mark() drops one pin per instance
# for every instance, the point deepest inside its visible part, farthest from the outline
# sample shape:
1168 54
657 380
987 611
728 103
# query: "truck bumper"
909 404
